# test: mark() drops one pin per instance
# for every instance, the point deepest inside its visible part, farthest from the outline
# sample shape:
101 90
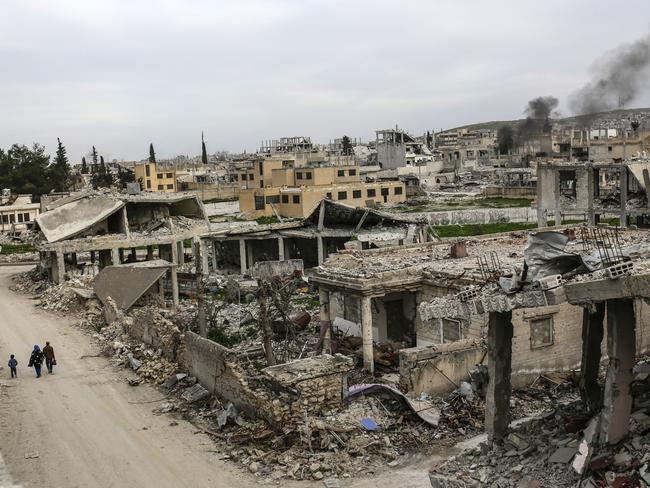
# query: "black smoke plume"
617 79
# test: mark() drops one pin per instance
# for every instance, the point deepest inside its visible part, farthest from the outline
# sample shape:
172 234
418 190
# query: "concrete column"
60 267
205 259
161 290
592 337
497 400
325 320
621 349
280 248
180 253
242 255
121 255
319 243
366 333
557 194
149 253
591 214
134 254
623 173
115 256
105 258
215 254
174 276
249 254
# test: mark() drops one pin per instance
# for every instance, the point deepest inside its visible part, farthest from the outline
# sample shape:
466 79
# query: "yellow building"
294 192
155 179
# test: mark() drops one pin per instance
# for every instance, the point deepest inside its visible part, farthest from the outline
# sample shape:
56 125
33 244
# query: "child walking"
12 366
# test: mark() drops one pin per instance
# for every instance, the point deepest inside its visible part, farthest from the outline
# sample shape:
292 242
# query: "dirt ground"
84 426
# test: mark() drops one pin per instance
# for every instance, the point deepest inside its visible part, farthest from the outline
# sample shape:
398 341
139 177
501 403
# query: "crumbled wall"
438 369
149 326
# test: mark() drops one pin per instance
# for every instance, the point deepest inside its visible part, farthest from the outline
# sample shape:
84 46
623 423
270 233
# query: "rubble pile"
23 257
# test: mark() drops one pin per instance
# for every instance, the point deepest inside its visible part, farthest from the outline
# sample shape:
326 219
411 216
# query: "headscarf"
36 348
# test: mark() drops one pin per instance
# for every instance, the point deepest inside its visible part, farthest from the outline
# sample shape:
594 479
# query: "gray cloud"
120 74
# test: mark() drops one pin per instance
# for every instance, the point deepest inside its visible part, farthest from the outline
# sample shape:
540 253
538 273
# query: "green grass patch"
464 204
16 248
468 230
267 220
219 200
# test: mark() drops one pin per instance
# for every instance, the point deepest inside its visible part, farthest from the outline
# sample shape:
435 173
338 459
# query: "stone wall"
146 324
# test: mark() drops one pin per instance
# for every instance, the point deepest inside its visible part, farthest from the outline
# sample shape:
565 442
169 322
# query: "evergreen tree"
59 172
106 177
84 166
25 170
347 146
152 154
204 152
94 153
124 176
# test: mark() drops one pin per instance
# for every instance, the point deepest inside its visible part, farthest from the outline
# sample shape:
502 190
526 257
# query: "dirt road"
85 427
80 422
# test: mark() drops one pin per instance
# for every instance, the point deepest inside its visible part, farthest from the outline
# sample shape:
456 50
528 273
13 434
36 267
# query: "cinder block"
620 269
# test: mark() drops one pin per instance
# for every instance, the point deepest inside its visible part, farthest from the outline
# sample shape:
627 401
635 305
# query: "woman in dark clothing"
36 360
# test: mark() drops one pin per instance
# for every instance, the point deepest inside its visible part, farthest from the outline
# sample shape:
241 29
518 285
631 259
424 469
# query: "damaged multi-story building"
85 232
329 228
593 191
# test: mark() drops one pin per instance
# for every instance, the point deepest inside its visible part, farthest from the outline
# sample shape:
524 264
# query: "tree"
94 166
505 139
101 177
25 170
59 171
124 176
84 166
635 125
204 152
346 146
152 154
429 140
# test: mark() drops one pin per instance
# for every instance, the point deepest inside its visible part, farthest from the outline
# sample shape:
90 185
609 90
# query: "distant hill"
622 116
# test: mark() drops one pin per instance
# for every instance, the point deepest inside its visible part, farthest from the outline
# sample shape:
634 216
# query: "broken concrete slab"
133 362
195 394
563 455
126 283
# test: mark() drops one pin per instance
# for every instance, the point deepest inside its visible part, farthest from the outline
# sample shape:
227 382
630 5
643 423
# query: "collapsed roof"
126 283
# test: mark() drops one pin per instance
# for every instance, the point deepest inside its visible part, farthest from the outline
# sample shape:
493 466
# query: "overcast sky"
122 74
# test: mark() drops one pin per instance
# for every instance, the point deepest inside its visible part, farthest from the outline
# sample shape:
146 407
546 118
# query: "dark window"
398 190
251 176
308 175
161 187
149 184
170 175
26 217
5 219
299 176
450 330
356 193
244 177
340 172
261 183
609 148
371 192
295 198
147 170
343 195
353 172
541 332
259 203
285 198
236 177
160 176
20 218
384 191
329 195
261 168
170 187
12 218
273 199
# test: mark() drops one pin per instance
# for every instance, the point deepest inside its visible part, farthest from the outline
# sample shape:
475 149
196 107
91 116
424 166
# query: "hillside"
593 120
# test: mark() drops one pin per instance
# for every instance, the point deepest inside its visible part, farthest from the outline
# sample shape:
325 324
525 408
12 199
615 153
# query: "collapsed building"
329 228
87 231
593 191
385 295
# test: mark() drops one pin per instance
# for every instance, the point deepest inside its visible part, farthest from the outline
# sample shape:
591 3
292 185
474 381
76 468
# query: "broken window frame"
398 190
551 333
342 195
442 330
